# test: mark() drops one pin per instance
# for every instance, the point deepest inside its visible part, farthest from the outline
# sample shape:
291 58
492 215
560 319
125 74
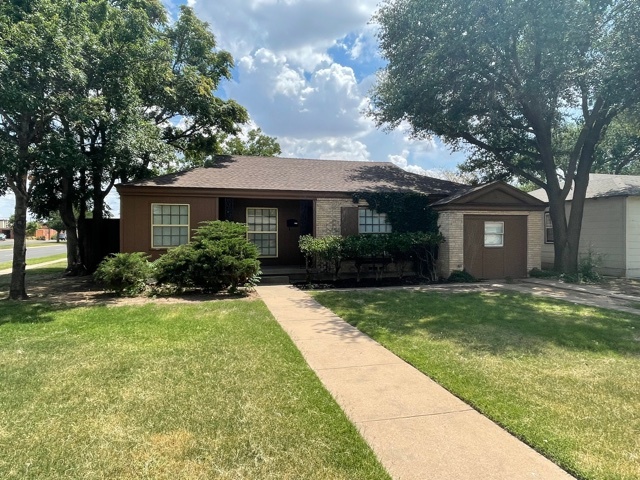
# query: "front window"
493 234
548 228
170 225
370 221
262 226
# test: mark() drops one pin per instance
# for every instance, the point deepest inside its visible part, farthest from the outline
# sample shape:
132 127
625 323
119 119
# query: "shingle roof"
291 174
603 185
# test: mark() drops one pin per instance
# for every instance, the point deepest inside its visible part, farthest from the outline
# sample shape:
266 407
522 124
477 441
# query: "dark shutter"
306 217
349 221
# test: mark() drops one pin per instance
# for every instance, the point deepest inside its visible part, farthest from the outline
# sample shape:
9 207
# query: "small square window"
370 221
170 226
493 234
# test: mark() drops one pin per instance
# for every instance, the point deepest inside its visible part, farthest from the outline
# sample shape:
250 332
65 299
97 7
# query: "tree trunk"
69 219
17 289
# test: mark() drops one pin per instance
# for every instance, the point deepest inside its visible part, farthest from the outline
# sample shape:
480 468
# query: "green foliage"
376 249
256 144
324 250
124 273
31 228
55 222
218 257
587 269
406 211
619 152
461 276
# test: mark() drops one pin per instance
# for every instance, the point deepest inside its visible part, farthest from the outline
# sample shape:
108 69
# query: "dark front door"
495 246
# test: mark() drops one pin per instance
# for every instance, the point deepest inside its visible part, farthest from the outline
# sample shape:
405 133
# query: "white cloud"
402 162
284 26
286 102
304 71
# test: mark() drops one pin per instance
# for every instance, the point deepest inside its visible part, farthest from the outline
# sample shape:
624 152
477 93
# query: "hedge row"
375 249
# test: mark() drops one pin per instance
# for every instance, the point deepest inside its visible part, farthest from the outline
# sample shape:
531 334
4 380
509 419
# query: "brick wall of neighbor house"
535 224
328 215
451 254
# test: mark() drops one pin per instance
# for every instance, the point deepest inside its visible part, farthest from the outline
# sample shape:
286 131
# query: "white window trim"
188 225
262 231
547 215
360 232
485 234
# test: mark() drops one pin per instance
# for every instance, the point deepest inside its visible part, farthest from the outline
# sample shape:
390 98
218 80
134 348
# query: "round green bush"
124 273
219 257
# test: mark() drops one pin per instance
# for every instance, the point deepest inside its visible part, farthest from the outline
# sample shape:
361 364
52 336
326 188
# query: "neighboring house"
610 225
491 230
5 229
45 233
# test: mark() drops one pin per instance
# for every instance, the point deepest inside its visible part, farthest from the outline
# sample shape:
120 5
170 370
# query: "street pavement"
36 249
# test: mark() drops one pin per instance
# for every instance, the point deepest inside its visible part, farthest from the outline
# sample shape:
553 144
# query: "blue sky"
304 69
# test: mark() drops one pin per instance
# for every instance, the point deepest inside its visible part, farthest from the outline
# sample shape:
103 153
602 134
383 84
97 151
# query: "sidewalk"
37 265
417 429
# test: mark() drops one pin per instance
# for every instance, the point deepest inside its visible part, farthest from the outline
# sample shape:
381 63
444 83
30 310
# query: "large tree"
513 82
39 60
96 92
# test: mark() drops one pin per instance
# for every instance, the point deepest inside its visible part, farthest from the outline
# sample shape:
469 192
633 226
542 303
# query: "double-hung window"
262 230
548 228
494 234
170 225
370 221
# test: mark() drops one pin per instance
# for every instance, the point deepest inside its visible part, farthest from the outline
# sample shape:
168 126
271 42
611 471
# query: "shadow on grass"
17 311
503 323
32 310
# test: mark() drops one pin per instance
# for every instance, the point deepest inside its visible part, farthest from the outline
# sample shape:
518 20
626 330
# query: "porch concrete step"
274 280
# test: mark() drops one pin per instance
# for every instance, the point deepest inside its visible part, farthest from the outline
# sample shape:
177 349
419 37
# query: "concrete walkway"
417 429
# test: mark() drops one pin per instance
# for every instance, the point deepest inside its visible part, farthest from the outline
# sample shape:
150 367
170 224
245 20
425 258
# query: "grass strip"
560 376
190 391
35 261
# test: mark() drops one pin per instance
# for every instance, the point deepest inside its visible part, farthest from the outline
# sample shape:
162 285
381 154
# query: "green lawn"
565 378
212 390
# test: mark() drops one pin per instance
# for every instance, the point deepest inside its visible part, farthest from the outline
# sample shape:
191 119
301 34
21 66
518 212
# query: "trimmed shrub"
461 276
124 273
218 257
537 273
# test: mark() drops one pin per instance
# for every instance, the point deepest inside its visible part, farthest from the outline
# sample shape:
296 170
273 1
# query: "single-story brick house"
492 230
610 224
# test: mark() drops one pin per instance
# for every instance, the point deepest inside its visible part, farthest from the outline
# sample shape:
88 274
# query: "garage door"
495 246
